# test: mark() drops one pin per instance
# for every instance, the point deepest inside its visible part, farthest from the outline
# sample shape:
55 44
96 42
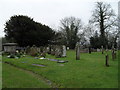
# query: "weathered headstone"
49 52
98 50
27 50
47 49
77 51
106 60
33 51
64 51
58 52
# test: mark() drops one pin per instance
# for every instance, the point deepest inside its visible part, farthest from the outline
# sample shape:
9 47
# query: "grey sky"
49 12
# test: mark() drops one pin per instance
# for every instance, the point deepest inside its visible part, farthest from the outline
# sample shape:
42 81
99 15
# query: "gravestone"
47 49
58 52
77 51
27 50
98 50
64 51
106 60
33 51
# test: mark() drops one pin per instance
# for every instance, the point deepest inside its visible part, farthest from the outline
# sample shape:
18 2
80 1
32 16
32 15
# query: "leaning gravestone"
77 51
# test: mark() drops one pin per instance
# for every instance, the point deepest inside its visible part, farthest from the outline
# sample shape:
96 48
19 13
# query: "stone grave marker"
33 51
64 51
106 60
58 52
77 51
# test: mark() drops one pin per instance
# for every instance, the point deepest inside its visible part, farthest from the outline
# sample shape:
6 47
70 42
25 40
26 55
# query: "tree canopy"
25 31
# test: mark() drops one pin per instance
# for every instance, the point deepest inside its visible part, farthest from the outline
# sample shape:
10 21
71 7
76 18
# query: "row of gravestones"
57 50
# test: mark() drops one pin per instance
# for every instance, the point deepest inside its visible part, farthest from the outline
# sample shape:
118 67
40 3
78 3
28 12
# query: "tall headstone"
64 51
77 51
106 60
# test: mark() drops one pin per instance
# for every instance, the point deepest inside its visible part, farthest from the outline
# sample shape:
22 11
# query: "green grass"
88 72
16 78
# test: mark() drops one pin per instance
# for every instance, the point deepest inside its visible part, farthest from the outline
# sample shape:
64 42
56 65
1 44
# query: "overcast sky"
49 12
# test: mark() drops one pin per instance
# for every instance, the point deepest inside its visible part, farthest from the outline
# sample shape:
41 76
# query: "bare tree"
70 27
104 17
89 31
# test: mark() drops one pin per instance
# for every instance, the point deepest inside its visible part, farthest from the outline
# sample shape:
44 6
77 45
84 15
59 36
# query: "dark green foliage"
95 41
25 31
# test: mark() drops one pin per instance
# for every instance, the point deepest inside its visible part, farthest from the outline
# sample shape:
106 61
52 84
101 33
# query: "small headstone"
27 50
58 52
33 51
98 50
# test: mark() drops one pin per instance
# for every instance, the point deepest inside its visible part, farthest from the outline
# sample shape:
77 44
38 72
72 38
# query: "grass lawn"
88 72
14 78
